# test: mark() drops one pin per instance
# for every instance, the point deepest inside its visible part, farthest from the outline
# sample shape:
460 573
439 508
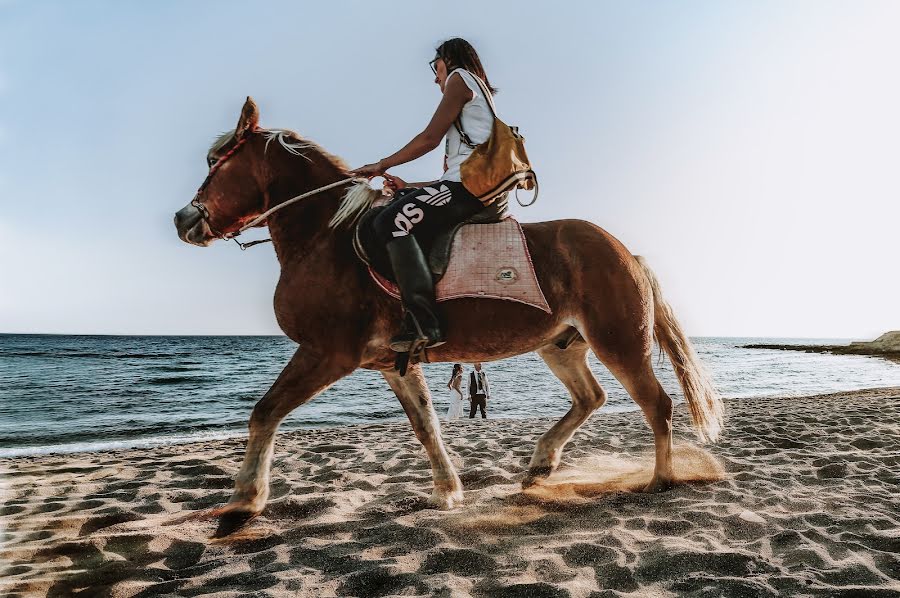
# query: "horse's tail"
701 397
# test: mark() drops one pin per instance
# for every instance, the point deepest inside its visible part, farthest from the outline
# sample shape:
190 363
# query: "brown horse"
600 294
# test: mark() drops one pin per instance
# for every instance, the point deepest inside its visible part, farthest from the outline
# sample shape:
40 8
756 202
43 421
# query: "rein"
205 215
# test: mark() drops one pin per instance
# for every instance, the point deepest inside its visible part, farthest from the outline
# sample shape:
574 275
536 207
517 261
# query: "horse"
602 299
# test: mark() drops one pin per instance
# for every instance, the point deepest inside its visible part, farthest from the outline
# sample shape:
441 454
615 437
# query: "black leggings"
424 212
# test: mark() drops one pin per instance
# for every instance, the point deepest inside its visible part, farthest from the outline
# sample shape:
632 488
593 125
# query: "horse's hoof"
231 521
232 517
530 482
445 500
536 475
657 485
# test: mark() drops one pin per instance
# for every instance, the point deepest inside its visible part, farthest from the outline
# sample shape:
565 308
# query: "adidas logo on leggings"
411 215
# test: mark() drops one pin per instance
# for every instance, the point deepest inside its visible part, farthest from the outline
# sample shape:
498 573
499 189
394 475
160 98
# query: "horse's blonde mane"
220 142
357 200
289 140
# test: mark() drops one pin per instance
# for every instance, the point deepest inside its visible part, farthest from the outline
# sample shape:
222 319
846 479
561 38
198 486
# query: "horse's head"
244 184
231 195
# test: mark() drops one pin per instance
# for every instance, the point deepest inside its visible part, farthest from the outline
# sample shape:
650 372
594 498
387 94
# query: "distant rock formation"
888 342
887 345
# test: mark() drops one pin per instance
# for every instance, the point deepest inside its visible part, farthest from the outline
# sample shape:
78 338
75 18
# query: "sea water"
79 393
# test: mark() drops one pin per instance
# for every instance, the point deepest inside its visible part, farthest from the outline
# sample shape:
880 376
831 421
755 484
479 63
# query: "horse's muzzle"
191 227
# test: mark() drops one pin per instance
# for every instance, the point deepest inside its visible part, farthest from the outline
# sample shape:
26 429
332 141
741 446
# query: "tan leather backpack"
498 165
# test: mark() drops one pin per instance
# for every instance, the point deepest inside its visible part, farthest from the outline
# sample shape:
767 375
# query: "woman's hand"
394 183
369 170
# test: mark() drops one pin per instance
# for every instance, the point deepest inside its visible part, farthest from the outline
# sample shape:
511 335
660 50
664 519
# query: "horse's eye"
210 161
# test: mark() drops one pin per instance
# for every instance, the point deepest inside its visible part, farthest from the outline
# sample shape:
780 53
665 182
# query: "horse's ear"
249 120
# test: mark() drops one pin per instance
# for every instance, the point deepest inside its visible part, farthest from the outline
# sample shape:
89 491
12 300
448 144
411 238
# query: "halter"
204 211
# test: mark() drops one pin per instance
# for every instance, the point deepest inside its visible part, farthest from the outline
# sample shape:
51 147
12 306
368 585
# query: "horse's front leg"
308 373
412 390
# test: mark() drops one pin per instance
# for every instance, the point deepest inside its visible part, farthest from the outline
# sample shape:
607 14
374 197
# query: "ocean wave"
112 445
71 353
387 414
165 380
174 368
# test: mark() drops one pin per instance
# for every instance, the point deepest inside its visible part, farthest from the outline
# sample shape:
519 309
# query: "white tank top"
477 122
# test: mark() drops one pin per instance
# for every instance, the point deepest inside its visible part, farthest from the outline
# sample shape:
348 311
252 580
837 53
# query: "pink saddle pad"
487 261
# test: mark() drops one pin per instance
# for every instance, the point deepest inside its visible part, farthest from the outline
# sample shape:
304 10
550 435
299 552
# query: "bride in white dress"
456 399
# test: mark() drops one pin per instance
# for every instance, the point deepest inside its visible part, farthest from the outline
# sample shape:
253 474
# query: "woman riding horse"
603 299
419 211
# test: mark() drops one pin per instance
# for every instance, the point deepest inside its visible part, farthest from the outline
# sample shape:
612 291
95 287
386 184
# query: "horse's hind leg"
637 377
643 387
412 390
571 367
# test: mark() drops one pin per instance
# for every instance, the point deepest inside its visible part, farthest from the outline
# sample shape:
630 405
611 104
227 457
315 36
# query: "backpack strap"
488 98
462 134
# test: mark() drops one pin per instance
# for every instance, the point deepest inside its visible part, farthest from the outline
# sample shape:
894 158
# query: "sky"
749 150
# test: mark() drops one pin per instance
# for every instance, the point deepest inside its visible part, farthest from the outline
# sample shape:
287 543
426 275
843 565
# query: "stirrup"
406 345
403 346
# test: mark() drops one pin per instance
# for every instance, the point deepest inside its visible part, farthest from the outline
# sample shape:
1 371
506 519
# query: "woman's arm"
396 183
456 95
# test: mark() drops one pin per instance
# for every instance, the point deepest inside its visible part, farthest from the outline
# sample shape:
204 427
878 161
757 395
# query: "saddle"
484 257
437 252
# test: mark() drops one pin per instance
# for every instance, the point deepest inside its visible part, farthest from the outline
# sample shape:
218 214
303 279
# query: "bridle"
204 211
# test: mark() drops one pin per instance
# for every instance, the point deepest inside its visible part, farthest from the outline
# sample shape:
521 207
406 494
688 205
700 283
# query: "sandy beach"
800 497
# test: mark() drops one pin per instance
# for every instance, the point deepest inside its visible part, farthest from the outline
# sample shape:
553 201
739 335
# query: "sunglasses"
433 64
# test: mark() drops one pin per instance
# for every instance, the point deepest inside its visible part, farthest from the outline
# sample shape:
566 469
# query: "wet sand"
801 497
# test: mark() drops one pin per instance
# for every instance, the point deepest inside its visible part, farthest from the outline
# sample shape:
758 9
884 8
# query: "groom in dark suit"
479 392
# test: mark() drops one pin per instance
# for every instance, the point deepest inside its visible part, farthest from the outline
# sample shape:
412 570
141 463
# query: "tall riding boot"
421 323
